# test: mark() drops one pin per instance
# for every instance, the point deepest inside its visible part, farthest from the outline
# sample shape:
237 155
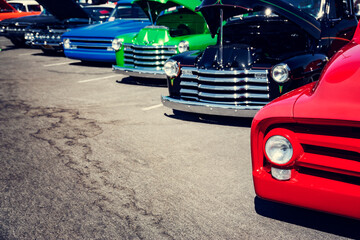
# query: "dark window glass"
128 11
311 7
99 13
339 8
18 6
34 8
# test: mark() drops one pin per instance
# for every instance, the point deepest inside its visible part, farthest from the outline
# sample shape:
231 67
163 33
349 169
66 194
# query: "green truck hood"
153 35
157 6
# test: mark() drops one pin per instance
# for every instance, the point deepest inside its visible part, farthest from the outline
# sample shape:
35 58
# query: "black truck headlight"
67 43
183 46
171 68
116 44
280 73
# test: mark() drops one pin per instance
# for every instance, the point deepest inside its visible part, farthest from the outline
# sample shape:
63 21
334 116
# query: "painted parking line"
152 107
58 64
97 79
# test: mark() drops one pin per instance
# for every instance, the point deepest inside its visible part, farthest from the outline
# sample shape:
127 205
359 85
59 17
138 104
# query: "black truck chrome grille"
147 57
237 88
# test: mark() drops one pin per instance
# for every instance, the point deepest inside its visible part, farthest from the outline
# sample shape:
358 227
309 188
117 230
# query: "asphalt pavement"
89 154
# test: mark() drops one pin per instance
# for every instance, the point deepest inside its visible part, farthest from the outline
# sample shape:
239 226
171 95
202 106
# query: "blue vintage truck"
94 43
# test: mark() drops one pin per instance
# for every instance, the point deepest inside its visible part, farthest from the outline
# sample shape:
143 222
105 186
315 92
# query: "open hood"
64 9
4 6
211 12
157 6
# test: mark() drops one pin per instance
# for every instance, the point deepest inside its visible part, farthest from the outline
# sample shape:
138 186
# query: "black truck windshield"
311 7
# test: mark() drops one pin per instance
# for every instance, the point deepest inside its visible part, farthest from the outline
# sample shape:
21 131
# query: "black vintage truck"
15 28
45 30
70 15
265 48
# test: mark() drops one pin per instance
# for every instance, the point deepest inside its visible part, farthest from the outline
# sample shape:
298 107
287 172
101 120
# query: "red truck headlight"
281 149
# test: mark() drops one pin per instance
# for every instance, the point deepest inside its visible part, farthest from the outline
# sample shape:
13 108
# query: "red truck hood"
337 94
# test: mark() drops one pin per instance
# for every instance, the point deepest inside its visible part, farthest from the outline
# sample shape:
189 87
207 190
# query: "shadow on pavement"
148 82
92 64
7 48
324 222
49 54
209 119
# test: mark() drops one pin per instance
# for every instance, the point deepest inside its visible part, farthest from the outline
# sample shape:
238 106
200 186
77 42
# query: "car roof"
24 2
109 5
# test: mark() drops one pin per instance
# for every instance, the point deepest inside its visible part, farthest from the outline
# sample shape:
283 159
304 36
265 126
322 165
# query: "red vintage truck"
306 144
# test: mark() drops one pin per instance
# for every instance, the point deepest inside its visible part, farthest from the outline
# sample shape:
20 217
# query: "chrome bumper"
138 72
47 45
209 108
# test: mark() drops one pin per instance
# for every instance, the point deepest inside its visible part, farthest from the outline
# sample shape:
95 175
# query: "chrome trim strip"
79 44
234 88
189 91
152 63
90 47
188 84
138 72
155 47
210 108
155 52
90 39
233 80
191 97
189 76
59 44
150 57
234 72
234 95
128 55
149 68
236 103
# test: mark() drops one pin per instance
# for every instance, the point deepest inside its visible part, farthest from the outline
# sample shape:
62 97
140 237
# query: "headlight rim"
176 73
286 67
186 45
297 149
66 43
116 41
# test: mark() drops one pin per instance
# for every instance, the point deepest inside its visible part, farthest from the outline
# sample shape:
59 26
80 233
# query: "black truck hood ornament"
64 9
210 10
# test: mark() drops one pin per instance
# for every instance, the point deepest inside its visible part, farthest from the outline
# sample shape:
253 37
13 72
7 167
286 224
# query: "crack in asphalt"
69 134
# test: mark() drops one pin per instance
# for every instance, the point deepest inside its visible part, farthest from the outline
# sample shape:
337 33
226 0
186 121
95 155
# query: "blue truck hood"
108 29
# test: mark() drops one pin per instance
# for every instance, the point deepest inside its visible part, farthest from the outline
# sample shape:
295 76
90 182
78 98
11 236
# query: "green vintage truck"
175 28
